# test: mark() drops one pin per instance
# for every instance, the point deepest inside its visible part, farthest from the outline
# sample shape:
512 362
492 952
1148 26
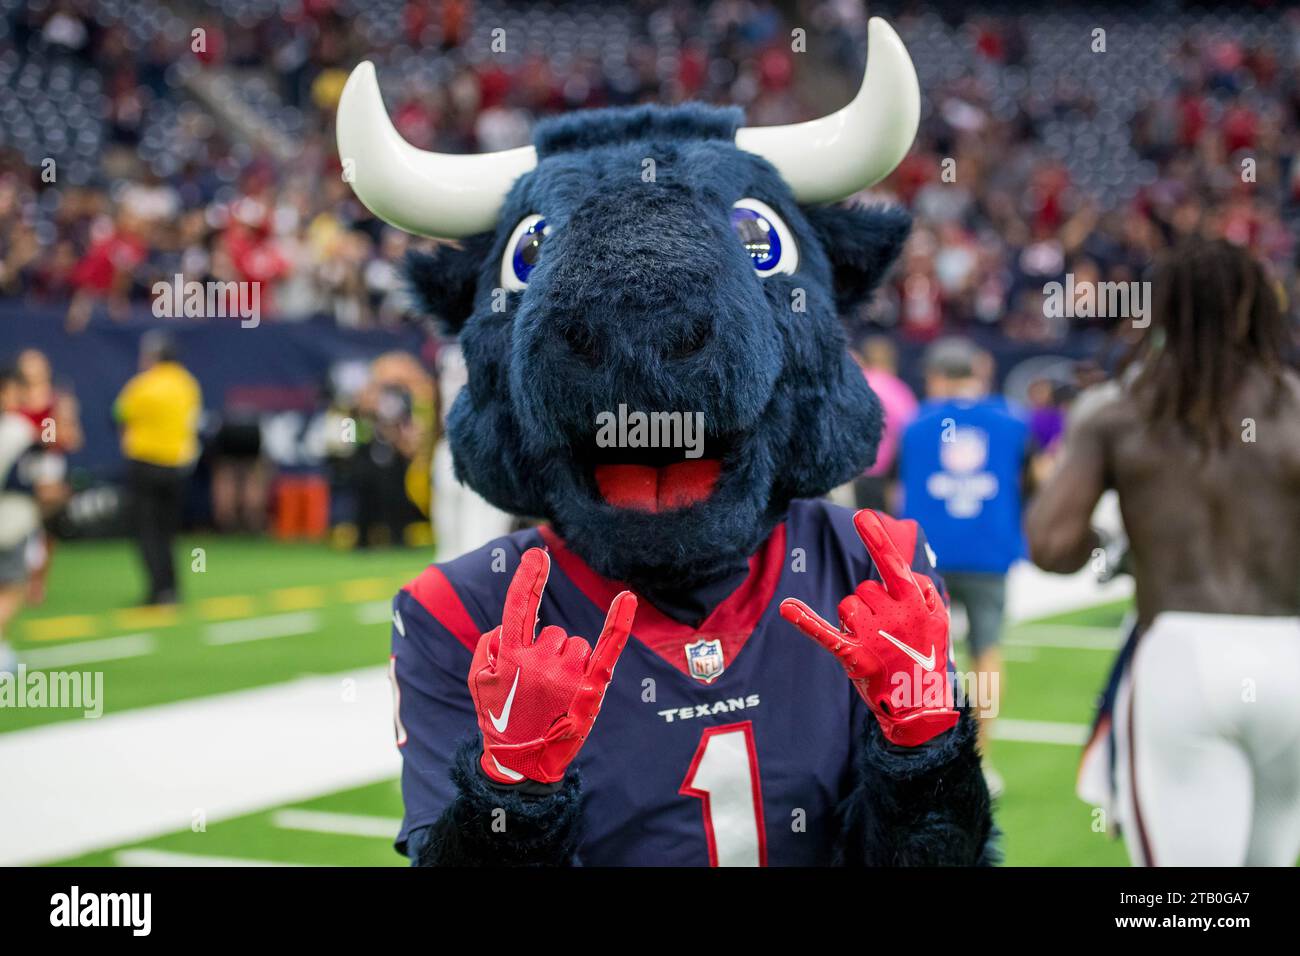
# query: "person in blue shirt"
963 469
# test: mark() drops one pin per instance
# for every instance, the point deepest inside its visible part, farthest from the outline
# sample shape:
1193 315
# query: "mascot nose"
581 342
684 339
669 340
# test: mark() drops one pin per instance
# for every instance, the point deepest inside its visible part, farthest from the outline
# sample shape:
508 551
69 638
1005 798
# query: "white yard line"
347 824
83 785
89 652
168 858
374 612
261 628
1040 732
1068 636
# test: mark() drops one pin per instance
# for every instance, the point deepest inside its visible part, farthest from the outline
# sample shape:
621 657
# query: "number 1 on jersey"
724 776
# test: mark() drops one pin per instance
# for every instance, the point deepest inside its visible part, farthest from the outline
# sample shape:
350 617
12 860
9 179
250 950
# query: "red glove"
538 697
891 633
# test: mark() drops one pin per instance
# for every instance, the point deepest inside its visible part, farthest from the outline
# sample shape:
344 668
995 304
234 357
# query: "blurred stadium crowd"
197 138
145 139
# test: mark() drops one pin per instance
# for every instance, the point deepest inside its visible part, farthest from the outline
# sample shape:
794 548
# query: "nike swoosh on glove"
537 697
893 636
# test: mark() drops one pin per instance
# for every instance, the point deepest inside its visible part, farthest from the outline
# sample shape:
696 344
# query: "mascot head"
648 302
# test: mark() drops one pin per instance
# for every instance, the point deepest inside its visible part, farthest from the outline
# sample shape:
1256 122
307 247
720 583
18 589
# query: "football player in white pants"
1214 715
1201 440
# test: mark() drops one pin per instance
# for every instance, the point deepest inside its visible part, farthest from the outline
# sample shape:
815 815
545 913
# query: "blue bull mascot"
649 302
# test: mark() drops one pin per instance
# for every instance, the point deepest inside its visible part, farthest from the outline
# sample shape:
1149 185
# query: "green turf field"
340 599
93 585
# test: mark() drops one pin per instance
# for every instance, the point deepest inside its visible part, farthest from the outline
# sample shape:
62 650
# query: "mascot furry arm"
666 259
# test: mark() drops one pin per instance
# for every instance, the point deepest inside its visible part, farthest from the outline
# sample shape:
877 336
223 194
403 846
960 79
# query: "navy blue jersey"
730 743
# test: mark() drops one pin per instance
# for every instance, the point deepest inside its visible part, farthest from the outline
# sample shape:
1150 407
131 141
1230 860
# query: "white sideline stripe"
169 858
1085 630
260 628
1040 732
374 612
1032 593
347 824
78 786
1067 636
89 652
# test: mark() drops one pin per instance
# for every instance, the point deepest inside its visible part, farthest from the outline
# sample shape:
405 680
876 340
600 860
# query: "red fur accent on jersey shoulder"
437 596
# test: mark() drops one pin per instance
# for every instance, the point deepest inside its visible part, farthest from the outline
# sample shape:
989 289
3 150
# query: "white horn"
442 195
827 159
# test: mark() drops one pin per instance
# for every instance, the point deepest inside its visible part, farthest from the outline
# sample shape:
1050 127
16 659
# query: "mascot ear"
861 243
443 281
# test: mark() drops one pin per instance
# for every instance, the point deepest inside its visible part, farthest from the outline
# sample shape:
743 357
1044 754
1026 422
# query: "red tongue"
644 488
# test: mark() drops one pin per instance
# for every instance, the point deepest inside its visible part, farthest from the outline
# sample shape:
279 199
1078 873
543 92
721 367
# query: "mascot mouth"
655 480
656 489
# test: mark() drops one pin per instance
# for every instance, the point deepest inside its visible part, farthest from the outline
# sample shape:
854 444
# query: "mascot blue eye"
522 252
758 236
766 238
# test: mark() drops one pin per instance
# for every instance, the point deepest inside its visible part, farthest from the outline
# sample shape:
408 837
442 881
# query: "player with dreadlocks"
1201 439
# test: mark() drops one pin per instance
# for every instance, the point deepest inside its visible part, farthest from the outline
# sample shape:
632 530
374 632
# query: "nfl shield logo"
705 660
